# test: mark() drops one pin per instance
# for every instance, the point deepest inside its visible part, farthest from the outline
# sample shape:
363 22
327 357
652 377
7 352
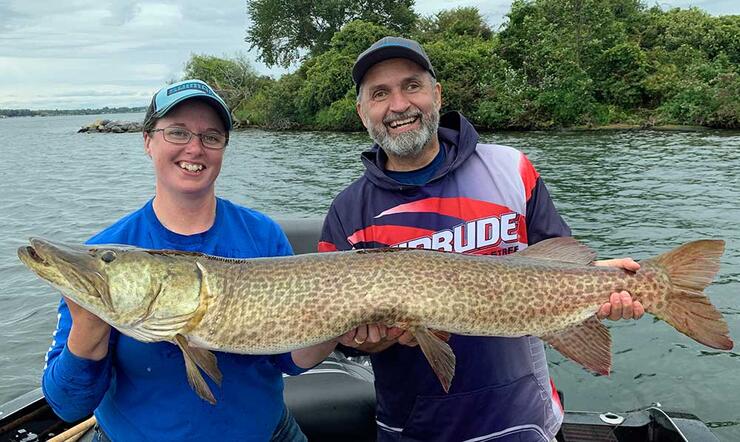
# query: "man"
428 183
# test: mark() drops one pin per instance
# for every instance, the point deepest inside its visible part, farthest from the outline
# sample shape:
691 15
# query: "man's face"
399 105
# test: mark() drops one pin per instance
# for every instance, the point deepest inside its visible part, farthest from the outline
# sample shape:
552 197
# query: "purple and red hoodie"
484 199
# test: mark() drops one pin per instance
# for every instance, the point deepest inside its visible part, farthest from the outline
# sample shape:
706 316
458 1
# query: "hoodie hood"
455 133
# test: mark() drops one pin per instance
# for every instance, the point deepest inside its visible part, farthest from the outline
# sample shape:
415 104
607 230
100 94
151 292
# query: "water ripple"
623 193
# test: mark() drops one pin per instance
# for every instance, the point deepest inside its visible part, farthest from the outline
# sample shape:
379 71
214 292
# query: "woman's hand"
89 335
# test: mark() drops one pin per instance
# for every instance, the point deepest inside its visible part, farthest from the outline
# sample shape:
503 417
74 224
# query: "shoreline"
108 126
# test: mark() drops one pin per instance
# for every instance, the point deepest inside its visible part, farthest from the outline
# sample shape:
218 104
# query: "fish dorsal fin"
588 344
438 353
563 249
198 357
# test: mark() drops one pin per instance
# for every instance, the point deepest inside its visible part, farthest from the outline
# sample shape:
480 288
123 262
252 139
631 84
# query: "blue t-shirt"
139 391
419 177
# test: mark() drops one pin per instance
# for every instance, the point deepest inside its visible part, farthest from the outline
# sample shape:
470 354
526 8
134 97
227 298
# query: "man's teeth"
191 167
399 123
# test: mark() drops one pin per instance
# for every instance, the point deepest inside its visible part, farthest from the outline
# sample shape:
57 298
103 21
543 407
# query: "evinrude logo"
501 233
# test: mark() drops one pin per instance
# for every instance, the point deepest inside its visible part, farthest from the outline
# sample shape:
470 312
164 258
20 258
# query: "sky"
75 54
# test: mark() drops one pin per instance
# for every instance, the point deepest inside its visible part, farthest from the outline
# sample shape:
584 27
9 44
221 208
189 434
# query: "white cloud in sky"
95 53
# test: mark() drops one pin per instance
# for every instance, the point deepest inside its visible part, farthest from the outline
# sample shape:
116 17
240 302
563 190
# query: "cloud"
93 53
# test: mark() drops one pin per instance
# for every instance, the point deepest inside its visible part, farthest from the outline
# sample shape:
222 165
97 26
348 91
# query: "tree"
235 80
283 29
458 22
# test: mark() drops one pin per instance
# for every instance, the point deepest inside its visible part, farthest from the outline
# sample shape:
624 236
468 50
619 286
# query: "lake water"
623 193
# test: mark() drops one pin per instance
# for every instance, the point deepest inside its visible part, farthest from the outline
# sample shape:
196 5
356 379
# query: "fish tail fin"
691 268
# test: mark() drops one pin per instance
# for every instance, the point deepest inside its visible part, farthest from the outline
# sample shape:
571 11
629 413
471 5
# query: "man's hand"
368 333
620 305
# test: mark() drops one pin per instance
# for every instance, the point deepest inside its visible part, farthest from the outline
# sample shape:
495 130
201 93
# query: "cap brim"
187 95
384 53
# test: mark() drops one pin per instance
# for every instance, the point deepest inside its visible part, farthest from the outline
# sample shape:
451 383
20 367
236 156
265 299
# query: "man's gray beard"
407 144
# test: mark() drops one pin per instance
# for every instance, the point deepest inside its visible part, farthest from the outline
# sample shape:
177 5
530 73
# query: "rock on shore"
111 126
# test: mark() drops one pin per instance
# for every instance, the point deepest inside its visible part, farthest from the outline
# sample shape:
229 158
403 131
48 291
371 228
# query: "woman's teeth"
191 167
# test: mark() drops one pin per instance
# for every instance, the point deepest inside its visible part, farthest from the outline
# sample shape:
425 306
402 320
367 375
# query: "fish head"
124 286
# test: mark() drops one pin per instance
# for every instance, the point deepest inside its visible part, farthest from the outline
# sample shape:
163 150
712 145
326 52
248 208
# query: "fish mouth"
30 254
35 255
71 269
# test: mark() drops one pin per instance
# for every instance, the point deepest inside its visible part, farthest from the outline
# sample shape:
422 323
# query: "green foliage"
282 30
326 98
234 79
275 106
726 102
555 63
619 75
459 22
327 80
460 64
565 97
356 36
341 115
507 101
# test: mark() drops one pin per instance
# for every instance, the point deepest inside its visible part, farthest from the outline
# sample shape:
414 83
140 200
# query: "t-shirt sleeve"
284 362
282 246
73 386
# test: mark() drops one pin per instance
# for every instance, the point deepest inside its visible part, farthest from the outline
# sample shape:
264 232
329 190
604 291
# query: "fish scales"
274 305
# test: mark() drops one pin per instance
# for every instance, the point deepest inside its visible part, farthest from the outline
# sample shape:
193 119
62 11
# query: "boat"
335 401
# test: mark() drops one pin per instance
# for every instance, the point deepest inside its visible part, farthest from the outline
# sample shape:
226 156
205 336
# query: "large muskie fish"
274 305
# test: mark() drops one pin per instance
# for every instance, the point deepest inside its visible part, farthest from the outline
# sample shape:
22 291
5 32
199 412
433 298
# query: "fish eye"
108 256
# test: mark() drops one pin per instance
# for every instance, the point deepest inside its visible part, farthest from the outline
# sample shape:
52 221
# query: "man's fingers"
604 311
627 308
394 333
347 338
361 335
616 301
373 333
639 309
623 263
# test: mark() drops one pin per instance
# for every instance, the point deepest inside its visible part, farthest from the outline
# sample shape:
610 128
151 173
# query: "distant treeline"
48 113
553 63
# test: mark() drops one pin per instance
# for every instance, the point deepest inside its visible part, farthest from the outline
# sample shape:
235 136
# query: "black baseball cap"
390 47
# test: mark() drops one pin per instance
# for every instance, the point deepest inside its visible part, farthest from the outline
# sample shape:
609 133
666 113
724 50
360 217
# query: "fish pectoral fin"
588 344
153 329
563 249
197 357
438 353
443 335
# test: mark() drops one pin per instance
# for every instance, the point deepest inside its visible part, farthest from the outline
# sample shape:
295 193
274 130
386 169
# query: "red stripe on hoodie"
387 235
325 246
529 175
466 209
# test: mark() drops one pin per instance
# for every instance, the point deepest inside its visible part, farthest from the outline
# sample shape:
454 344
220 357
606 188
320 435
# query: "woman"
140 391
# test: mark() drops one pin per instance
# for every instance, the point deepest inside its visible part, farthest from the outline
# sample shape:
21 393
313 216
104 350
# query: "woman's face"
186 170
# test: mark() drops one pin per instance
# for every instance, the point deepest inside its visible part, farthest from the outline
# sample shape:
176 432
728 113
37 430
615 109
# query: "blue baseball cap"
169 96
390 47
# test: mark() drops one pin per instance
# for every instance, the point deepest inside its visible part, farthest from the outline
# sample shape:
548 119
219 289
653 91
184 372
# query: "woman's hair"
149 119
